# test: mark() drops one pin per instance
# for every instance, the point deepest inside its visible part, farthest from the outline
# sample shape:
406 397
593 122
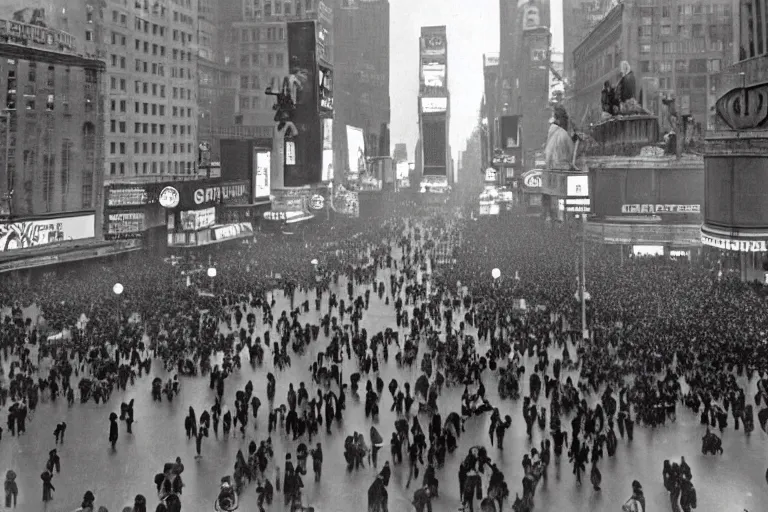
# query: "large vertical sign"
303 152
434 102
327 149
355 153
262 161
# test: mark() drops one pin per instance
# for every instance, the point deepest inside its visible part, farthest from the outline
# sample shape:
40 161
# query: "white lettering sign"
661 208
734 245
215 194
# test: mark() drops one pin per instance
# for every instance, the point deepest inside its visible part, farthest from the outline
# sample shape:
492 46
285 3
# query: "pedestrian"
113 429
422 500
11 489
48 487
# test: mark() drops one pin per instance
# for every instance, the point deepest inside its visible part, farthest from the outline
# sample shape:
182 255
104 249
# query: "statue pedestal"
625 135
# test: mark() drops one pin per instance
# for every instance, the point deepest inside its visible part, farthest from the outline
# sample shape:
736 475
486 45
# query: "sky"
473 29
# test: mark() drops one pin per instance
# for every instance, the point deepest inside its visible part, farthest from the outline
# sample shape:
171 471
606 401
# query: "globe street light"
118 289
314 262
496 273
211 274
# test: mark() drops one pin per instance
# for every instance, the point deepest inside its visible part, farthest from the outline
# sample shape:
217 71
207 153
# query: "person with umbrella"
11 489
113 430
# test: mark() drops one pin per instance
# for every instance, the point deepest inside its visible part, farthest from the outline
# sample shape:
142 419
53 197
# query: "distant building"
51 141
400 154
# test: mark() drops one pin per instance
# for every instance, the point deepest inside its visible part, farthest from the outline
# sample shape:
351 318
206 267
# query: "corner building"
735 229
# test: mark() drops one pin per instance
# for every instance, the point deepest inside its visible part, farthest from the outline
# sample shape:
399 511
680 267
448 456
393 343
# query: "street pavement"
733 481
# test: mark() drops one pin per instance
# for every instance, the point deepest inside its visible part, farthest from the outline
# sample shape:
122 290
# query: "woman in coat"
113 430
48 487
11 489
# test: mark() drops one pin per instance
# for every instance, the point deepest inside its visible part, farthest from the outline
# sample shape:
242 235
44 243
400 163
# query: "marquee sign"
734 245
661 208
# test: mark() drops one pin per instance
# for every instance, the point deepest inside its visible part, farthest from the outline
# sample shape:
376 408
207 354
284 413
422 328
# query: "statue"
621 99
559 149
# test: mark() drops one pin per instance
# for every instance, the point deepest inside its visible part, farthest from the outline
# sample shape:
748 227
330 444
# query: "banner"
355 151
124 225
263 163
35 233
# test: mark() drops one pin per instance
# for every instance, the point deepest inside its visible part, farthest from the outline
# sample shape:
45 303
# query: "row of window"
681 66
256 102
716 31
253 35
178 167
148 148
255 8
686 10
271 60
753 35
696 45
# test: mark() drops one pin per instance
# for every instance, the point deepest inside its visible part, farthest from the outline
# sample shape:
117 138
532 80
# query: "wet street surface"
733 481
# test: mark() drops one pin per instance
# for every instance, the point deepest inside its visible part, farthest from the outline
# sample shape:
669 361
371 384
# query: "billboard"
194 220
325 88
433 74
434 146
533 14
327 125
402 170
577 194
746 204
303 157
355 151
434 105
126 196
490 60
124 225
263 160
39 232
433 41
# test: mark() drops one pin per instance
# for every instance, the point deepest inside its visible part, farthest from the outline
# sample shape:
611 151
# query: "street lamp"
314 262
117 289
496 273
211 274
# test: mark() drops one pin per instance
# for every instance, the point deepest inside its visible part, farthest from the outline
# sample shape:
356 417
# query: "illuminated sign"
433 74
434 105
433 44
125 225
661 208
316 202
491 60
132 196
490 174
290 152
169 197
232 231
355 150
263 161
734 245
34 233
194 220
325 88
532 179
577 186
220 193
327 159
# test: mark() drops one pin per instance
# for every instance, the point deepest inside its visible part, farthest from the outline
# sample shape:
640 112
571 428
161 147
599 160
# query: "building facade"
674 51
52 141
735 228
434 110
361 76
583 16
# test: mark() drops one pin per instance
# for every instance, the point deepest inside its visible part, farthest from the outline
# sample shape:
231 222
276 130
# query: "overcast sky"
473 29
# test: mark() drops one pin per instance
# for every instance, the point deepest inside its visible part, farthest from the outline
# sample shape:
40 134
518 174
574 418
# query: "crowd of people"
663 332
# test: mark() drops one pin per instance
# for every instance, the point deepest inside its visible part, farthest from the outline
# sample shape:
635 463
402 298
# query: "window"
279 60
699 82
112 126
698 66
645 66
646 48
122 148
644 31
112 168
751 38
243 82
714 65
666 30
666 48
681 66
665 11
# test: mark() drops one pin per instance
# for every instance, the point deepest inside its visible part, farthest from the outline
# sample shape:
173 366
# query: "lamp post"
117 289
211 274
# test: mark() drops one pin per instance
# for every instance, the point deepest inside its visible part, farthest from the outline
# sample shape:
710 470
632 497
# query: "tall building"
523 98
735 228
674 52
400 153
361 78
489 108
51 142
582 16
151 82
257 44
434 107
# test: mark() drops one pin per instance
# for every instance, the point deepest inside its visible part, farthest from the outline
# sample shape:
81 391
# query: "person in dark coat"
48 487
378 498
113 430
422 500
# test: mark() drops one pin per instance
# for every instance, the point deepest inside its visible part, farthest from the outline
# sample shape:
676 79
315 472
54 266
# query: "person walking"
11 489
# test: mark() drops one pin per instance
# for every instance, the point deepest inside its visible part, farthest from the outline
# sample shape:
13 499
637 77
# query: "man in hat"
636 502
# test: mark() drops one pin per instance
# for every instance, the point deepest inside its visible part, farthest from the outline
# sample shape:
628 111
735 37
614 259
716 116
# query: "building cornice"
609 163
15 51
598 34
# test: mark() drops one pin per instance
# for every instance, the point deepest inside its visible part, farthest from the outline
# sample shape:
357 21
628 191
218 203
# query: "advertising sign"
433 74
355 150
325 88
433 43
403 170
510 131
214 194
232 231
324 41
125 225
434 184
129 196
577 194
327 126
491 59
194 220
347 202
660 208
532 179
734 245
35 233
263 160
490 175
169 197
433 146
434 105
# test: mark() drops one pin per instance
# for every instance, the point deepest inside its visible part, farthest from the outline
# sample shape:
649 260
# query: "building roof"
15 51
